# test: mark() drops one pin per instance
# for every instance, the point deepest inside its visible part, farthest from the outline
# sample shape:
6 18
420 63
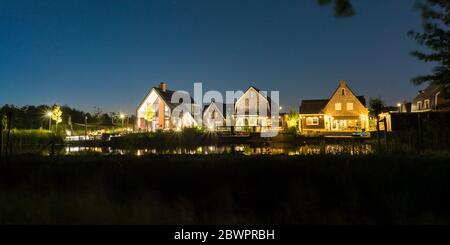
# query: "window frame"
310 121
347 106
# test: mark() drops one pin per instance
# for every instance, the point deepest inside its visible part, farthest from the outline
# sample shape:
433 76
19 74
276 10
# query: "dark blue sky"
110 53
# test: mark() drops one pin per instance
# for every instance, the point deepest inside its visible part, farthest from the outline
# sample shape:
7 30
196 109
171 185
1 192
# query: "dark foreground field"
230 189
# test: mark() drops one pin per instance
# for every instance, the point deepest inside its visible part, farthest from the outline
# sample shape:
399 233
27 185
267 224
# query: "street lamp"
85 127
49 114
122 116
399 105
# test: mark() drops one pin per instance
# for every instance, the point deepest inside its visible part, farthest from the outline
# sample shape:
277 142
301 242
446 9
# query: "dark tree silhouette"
342 8
436 37
376 107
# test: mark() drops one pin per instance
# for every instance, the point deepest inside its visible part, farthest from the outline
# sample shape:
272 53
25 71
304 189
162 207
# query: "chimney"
163 86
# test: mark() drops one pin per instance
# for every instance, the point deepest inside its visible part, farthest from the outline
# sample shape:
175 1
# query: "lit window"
349 106
419 105
338 106
315 121
312 121
166 111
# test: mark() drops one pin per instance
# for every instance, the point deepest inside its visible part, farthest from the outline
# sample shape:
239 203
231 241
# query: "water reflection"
327 149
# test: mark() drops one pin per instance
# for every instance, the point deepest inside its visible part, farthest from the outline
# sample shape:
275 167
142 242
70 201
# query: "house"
214 115
156 110
252 111
429 107
407 121
343 111
431 99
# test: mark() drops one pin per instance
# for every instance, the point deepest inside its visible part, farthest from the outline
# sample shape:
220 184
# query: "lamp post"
85 127
399 105
122 117
49 114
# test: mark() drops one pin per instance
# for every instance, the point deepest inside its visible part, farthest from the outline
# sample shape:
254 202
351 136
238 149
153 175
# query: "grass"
189 137
226 189
30 140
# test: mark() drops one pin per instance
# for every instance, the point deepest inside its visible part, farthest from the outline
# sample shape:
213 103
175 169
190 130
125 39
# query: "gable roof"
428 92
259 91
316 106
362 99
266 96
166 96
221 106
312 106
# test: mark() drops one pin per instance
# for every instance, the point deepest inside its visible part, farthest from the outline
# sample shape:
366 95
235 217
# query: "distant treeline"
35 117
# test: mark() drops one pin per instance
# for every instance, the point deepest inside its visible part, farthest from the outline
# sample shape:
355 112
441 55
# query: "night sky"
110 53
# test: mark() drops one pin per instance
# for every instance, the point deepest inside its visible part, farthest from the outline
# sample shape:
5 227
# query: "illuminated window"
166 111
419 105
338 106
349 106
312 121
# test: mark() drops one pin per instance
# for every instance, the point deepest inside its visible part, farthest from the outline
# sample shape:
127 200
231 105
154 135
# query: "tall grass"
226 189
188 137
31 140
433 138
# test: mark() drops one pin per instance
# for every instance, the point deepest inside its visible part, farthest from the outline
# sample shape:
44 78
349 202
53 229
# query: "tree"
3 125
149 114
436 37
292 120
342 8
376 108
57 115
